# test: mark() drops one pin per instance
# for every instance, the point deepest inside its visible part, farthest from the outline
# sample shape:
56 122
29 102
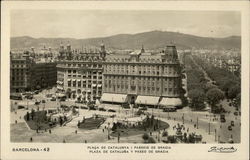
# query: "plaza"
200 123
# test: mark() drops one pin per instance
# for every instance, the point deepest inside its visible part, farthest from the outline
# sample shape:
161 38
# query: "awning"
117 98
99 85
69 79
78 80
93 85
150 100
88 90
59 82
58 87
73 79
171 102
60 95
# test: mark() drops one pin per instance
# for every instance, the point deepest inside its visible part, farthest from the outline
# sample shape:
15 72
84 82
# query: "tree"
151 140
145 137
209 86
233 91
214 96
238 100
197 97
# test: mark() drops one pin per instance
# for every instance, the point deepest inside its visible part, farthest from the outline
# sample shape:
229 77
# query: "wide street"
207 123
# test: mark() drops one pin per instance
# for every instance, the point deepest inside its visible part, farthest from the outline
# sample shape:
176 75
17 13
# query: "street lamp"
197 123
108 131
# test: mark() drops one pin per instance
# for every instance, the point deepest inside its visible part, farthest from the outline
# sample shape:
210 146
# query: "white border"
78 151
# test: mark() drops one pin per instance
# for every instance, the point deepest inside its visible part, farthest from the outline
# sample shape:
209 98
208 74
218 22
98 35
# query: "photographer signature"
222 149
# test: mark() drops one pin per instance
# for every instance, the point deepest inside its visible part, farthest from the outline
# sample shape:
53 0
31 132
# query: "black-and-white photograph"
125 76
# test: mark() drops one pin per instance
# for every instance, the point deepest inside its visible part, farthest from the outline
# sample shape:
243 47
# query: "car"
75 107
236 113
53 99
143 108
232 123
43 101
222 120
102 109
36 92
111 110
20 107
29 96
84 107
37 102
92 108
229 128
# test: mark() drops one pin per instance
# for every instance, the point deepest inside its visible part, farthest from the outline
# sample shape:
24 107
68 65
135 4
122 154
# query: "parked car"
236 113
143 108
43 101
75 107
36 91
92 107
29 96
20 107
102 109
53 99
111 110
84 107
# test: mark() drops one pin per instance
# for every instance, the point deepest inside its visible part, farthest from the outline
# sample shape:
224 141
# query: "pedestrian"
150 133
194 125
50 131
102 130
75 131
85 141
187 129
31 139
16 121
64 141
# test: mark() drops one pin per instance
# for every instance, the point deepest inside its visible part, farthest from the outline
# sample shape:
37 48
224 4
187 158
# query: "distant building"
79 73
28 74
142 78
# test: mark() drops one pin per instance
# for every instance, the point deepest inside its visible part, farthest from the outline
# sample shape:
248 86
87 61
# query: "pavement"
21 133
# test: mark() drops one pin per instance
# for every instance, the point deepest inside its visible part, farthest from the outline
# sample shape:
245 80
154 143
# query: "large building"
79 73
26 73
143 78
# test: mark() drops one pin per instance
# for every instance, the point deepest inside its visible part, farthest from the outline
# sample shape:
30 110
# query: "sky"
96 23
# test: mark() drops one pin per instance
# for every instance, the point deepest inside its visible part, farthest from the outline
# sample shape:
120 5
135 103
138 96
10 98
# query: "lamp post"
183 118
215 135
209 128
197 123
108 131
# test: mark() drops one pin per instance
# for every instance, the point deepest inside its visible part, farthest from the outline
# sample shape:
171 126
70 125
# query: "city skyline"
90 24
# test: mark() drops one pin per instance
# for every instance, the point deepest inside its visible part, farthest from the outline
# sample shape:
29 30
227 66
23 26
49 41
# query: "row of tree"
229 83
200 90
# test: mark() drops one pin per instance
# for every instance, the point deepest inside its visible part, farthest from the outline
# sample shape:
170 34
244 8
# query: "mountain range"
150 40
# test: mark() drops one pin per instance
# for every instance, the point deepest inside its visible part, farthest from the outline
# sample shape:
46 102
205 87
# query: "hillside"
151 40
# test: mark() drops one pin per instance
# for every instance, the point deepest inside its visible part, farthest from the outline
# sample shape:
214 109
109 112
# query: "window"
69 83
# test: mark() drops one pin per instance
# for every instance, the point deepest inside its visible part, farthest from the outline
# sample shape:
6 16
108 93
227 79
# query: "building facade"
79 73
141 77
27 74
